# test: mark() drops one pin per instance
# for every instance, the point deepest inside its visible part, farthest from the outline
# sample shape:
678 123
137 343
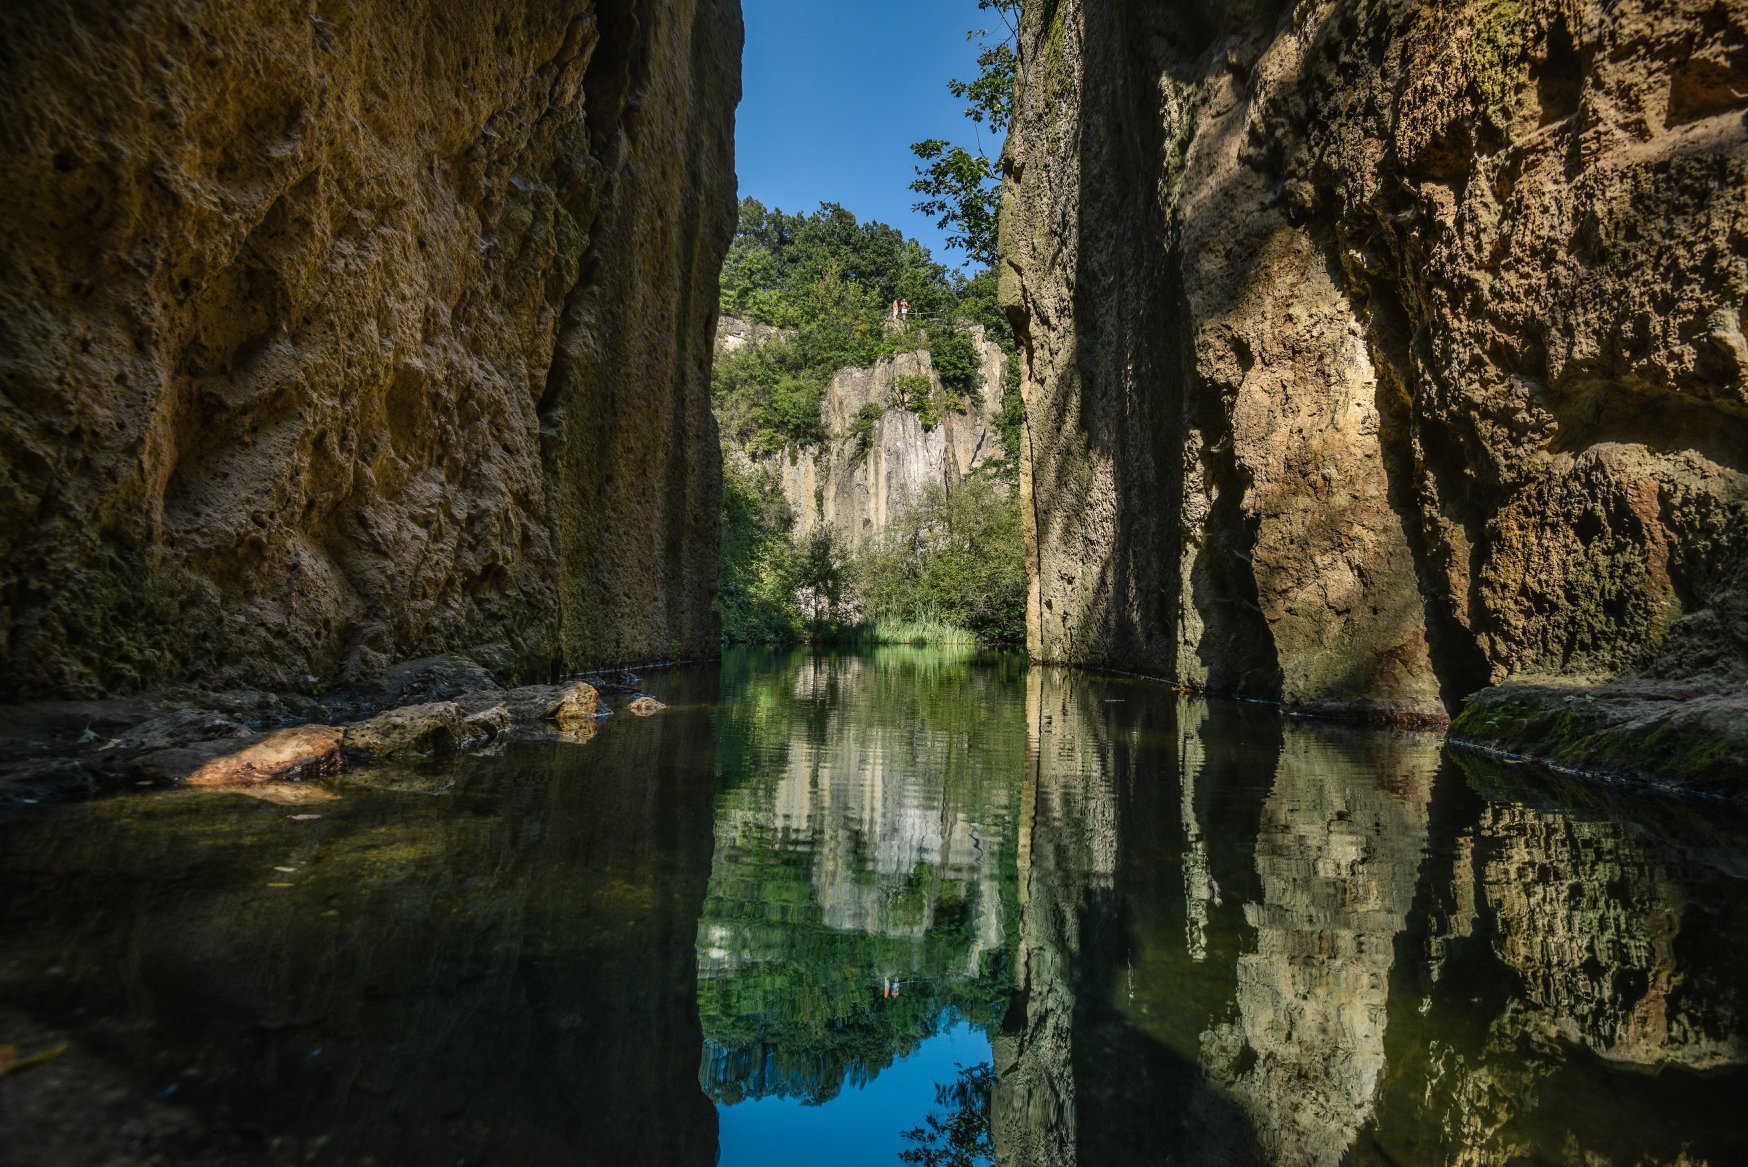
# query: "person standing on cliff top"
904 309
895 309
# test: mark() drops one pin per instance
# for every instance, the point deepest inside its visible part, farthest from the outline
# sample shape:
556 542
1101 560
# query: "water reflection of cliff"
1579 982
864 831
1247 940
1337 855
502 971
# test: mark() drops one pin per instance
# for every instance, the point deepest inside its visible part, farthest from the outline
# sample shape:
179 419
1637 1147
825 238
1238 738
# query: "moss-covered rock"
1669 735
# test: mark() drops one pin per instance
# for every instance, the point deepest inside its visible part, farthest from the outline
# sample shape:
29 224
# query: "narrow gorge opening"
678 581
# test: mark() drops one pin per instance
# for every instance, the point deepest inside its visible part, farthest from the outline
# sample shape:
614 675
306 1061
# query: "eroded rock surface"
411 731
287 755
870 468
338 334
1378 352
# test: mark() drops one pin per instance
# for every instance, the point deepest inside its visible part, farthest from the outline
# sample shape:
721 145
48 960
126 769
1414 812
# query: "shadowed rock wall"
348 332
1376 352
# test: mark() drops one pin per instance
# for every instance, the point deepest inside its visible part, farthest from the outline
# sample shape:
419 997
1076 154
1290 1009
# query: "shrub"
952 557
862 425
756 591
959 364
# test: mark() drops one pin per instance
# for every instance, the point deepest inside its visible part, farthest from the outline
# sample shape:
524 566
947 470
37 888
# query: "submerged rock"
645 707
306 751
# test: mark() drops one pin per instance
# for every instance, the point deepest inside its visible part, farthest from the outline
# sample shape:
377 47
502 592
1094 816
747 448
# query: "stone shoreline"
279 746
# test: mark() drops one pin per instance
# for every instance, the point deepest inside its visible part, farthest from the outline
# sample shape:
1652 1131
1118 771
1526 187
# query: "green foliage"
925 630
819 572
862 426
792 270
760 572
979 303
963 195
774 588
963 186
957 557
831 280
960 1137
916 393
1010 422
959 364
950 570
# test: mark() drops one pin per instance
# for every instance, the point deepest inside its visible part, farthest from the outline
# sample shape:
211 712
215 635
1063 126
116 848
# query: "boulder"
410 731
645 707
487 723
185 727
286 755
435 678
568 706
577 704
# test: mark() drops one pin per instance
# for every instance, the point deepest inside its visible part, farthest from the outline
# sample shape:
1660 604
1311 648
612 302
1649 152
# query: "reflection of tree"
863 830
960 1137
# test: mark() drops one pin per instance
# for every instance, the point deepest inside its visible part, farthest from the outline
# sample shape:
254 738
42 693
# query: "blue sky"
835 93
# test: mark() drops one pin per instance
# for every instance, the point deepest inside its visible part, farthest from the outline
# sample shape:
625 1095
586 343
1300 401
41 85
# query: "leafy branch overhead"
963 185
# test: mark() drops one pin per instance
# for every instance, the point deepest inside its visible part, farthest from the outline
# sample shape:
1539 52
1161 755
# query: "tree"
820 571
961 1137
964 185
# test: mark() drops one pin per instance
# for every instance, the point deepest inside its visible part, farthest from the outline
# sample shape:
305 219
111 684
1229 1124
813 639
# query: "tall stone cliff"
343 332
866 471
1376 352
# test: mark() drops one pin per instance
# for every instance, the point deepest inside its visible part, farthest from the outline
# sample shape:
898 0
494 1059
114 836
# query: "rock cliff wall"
864 473
1376 352
346 332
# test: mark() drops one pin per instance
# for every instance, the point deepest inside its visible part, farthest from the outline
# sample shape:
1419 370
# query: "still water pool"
909 905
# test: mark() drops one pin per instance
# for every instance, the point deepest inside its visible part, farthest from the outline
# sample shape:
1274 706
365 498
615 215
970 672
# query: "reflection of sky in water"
858 1126
1237 938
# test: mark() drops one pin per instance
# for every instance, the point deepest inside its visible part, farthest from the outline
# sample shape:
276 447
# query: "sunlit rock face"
1338 864
341 333
873 842
864 474
1375 352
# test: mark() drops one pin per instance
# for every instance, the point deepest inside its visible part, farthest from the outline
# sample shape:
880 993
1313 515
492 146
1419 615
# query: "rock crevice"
1375 353
340 336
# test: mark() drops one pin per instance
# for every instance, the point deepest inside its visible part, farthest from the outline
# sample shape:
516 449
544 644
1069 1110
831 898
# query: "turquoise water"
1126 927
